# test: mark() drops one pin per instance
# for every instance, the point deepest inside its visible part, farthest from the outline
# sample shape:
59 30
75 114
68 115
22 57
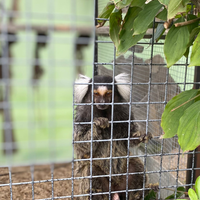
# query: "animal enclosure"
44 48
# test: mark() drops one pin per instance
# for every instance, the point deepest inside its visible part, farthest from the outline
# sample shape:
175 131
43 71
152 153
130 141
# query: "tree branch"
168 23
187 22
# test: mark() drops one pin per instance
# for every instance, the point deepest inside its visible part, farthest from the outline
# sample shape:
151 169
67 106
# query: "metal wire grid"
143 154
169 146
105 56
141 74
176 83
24 83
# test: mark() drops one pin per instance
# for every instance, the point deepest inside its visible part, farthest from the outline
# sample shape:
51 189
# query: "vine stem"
185 103
177 191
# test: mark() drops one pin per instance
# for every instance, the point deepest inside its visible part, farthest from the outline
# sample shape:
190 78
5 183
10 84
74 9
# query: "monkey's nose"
102 107
102 101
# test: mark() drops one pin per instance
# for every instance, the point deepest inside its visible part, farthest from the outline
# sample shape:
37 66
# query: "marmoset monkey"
101 130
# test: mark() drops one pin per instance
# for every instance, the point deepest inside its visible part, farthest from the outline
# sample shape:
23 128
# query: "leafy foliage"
146 16
106 13
159 32
129 28
150 196
138 3
162 15
176 6
122 4
181 27
195 52
181 117
180 192
188 130
125 35
164 2
115 21
193 194
197 187
176 41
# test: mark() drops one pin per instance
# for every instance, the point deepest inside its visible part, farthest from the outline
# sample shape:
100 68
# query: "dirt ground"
171 162
61 187
41 190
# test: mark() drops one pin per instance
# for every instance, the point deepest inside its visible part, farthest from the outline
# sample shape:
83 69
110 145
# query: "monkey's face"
102 95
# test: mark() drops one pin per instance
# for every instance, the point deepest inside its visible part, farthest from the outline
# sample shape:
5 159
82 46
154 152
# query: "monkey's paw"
116 197
102 122
94 191
97 197
138 196
142 137
153 186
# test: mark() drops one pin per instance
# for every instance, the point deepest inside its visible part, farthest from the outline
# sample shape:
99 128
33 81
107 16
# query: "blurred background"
44 42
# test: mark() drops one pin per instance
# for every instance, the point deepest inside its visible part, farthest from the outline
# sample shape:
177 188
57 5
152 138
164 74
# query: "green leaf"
146 17
115 26
181 189
164 2
176 43
189 128
175 7
188 9
170 120
116 1
162 15
194 30
180 192
185 2
105 13
125 36
195 55
187 52
197 186
193 34
150 196
192 194
138 3
159 32
193 25
122 4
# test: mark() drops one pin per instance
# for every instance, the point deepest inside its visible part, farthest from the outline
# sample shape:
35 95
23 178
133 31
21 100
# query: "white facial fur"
124 90
81 90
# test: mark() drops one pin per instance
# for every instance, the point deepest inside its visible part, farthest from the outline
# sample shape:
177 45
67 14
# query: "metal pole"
96 38
197 156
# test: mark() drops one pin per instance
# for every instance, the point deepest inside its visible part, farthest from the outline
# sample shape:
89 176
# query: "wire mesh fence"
54 143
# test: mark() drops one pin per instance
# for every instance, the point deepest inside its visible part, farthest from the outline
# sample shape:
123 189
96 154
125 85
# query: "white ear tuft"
81 90
124 90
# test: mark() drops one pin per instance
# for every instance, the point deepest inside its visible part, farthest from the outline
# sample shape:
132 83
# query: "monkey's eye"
96 93
109 92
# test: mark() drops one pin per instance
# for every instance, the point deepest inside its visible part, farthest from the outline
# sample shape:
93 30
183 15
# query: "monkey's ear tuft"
124 90
81 90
